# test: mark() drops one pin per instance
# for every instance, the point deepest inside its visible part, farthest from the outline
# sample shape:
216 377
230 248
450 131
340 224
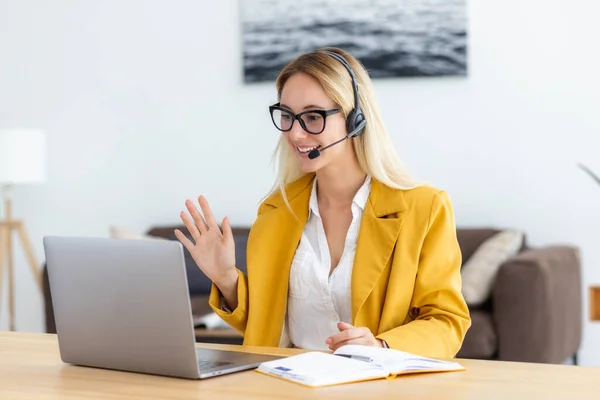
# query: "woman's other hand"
349 334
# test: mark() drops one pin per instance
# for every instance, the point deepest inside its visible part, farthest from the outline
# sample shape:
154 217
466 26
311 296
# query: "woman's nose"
297 132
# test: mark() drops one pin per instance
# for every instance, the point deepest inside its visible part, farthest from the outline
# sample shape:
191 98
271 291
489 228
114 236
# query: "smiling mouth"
306 150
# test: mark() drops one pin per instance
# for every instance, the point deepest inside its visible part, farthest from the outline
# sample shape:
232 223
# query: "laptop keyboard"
204 365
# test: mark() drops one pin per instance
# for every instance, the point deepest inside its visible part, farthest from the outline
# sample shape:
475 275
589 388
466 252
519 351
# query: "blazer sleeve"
441 316
238 317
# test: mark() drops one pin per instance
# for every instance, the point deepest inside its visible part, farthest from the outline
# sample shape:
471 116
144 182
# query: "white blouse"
317 301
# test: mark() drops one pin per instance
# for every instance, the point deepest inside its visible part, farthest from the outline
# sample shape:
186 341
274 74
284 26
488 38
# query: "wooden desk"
30 368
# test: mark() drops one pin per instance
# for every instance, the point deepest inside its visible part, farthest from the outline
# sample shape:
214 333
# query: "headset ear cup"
358 117
351 121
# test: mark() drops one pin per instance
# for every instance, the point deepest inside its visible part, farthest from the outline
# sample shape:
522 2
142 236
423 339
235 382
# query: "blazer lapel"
285 230
379 230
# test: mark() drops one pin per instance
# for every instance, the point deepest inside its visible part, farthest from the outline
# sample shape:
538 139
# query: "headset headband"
345 63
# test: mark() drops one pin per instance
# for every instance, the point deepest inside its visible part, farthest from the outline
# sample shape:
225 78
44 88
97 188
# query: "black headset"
355 121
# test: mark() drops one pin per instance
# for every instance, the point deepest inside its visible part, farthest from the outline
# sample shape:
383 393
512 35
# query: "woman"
347 249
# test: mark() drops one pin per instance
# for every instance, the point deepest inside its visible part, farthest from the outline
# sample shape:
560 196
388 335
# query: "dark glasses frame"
323 113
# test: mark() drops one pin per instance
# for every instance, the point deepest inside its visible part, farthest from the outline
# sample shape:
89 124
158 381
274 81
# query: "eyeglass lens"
313 122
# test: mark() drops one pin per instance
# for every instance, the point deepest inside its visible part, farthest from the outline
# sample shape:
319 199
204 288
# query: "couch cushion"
120 232
479 272
481 340
469 239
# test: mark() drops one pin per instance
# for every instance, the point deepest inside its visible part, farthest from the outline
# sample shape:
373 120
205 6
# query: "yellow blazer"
406 283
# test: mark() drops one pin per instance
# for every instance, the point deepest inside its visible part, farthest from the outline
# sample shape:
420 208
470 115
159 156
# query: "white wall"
143 104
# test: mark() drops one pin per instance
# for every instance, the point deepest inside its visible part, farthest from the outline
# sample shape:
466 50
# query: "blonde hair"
374 148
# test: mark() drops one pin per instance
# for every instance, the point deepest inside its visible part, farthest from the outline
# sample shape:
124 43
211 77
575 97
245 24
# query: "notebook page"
321 369
396 361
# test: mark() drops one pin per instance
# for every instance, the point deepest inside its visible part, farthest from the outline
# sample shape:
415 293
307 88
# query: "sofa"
533 314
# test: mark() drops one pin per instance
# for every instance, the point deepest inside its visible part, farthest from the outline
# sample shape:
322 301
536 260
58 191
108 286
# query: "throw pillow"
118 232
479 272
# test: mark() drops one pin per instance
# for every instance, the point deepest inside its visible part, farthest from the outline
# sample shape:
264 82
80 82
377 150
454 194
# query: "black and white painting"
392 38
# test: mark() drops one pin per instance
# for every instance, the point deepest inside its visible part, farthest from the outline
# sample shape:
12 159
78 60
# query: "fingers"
184 240
350 335
208 214
198 218
347 334
227 233
361 340
344 325
192 228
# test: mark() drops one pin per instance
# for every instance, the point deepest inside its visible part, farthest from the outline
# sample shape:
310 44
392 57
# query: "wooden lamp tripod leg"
3 248
30 254
6 252
6 247
11 278
8 225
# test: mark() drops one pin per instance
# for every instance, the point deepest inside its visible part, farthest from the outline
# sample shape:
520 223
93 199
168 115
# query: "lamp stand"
7 226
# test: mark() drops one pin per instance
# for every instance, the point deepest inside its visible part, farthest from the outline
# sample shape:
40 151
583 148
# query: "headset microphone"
317 152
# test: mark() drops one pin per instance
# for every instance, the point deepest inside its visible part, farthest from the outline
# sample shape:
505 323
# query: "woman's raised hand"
212 250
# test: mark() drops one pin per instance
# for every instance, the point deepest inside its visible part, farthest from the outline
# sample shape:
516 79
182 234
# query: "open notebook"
352 363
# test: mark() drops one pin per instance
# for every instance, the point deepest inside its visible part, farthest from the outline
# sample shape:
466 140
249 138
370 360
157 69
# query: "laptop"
123 304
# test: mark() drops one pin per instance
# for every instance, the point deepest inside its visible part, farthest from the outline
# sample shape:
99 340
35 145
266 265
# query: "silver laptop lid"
122 304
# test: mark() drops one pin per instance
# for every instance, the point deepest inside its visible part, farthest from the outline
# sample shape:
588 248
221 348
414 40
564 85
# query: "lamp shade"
22 156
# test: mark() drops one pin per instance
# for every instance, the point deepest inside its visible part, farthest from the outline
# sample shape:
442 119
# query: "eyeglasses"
312 121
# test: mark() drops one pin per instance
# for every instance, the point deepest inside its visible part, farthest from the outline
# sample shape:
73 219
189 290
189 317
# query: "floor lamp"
22 161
